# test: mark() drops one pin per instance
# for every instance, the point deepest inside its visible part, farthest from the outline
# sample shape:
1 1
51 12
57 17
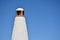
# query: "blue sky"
42 16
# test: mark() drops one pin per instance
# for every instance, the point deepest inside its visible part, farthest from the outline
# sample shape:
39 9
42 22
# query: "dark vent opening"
18 13
23 12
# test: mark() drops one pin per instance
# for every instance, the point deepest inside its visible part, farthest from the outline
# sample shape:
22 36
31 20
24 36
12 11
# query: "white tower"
20 28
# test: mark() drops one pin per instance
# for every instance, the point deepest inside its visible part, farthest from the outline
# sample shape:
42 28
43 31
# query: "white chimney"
20 28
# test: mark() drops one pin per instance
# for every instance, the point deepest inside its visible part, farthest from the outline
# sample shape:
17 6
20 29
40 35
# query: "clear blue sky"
43 18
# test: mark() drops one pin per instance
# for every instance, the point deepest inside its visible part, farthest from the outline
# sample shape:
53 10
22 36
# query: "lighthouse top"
19 9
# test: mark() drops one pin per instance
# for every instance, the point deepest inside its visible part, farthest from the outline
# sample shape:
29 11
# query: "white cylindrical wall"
19 29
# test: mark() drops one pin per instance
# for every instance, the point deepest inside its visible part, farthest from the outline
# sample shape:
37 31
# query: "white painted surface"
18 9
19 30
